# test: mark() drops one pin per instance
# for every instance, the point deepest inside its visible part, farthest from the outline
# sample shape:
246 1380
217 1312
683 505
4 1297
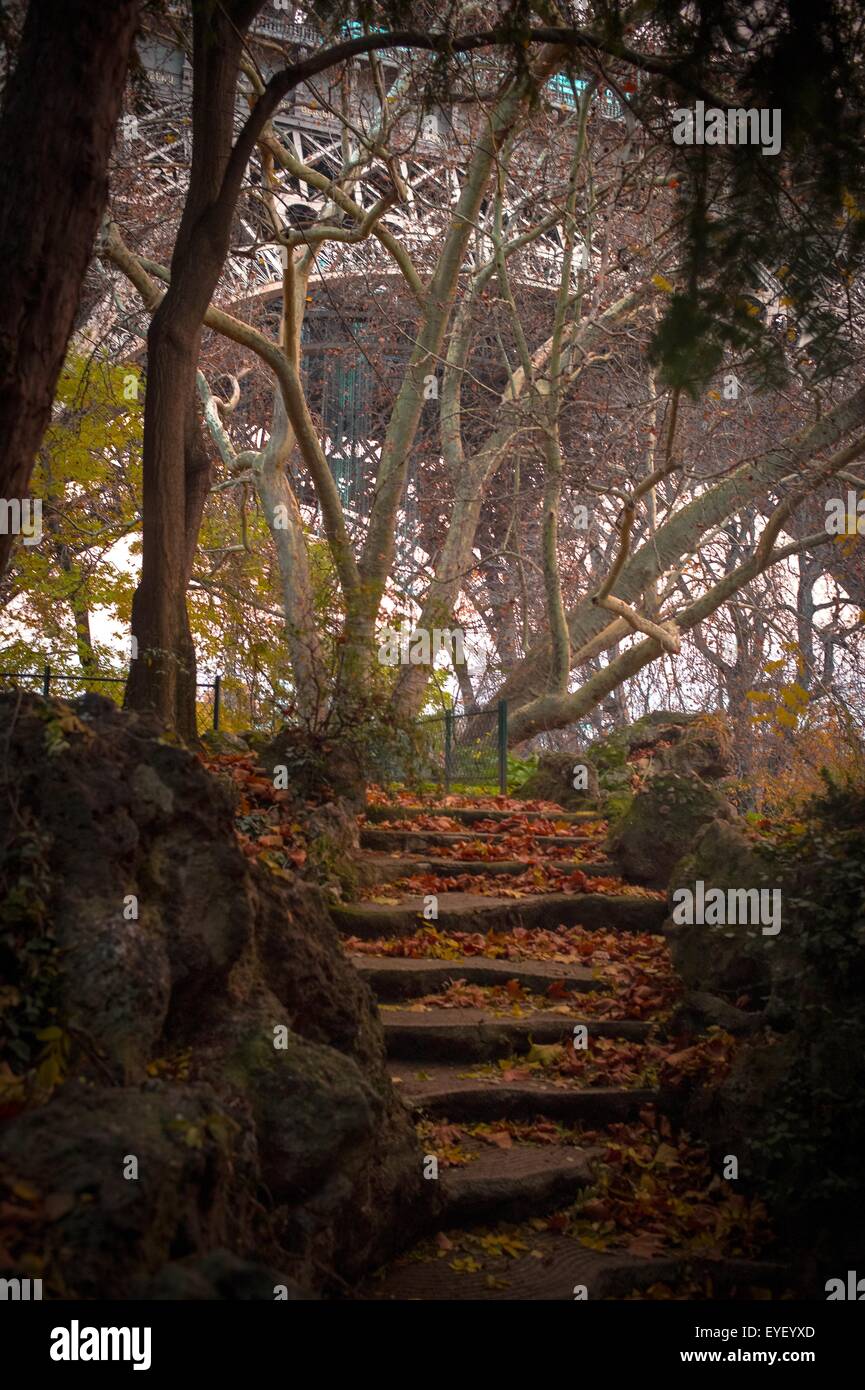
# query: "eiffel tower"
326 124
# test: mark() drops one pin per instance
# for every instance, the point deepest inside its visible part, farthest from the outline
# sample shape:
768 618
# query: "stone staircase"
446 1062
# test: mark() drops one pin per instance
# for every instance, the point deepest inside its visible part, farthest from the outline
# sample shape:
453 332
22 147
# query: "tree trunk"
472 476
555 711
162 678
56 134
379 547
681 535
198 475
561 647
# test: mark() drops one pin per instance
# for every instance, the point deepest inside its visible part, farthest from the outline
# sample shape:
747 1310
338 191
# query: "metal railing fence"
451 749
50 681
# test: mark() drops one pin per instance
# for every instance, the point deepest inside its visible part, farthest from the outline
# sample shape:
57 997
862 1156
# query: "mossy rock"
674 741
553 780
661 825
305 1157
726 960
704 747
256 739
221 741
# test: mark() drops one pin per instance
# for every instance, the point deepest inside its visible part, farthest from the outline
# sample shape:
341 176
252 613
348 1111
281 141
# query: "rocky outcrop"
319 766
664 741
661 824
197 1091
698 1011
726 958
702 747
554 778
223 741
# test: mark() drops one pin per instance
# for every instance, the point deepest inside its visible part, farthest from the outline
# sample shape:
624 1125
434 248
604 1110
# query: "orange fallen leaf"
500 1138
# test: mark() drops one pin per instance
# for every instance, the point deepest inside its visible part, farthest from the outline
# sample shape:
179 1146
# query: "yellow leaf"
26 1191
49 1072
662 283
666 1155
795 696
71 724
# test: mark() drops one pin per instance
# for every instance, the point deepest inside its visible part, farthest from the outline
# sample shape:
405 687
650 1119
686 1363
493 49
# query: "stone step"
470 814
374 867
559 1264
514 1184
387 868
475 1035
445 1092
394 978
475 912
420 841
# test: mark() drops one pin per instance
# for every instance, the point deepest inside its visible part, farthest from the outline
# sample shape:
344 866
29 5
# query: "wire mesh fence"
70 685
455 750
252 706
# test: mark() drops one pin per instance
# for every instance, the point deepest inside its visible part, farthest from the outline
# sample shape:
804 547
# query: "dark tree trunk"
175 479
198 471
56 133
196 479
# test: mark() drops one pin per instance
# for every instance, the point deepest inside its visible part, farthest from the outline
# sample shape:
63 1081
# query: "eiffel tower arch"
367 158
328 126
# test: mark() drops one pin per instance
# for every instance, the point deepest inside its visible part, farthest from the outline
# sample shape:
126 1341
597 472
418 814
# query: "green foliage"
616 805
520 770
797 214
88 477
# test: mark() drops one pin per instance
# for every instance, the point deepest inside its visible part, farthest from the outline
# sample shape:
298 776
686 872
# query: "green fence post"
46 681
449 744
217 693
503 747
